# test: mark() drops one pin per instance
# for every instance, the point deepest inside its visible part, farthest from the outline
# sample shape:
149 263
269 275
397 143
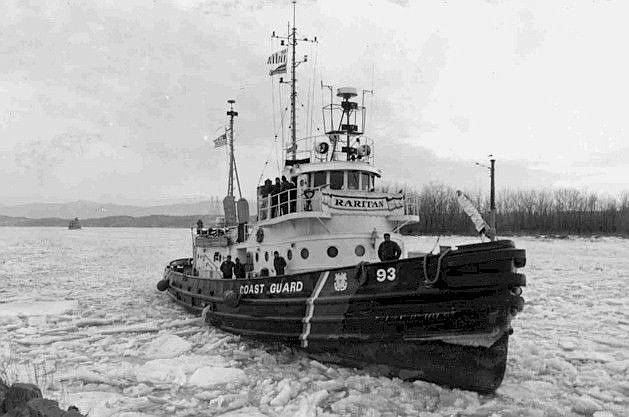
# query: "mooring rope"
427 281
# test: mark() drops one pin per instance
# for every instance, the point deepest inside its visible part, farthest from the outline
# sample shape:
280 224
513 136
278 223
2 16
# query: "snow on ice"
79 315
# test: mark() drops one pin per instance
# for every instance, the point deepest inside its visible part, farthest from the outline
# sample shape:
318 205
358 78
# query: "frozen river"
80 315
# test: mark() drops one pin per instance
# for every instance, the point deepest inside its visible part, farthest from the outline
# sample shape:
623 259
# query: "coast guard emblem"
340 281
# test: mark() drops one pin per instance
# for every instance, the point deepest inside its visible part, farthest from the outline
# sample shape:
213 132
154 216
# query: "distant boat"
74 224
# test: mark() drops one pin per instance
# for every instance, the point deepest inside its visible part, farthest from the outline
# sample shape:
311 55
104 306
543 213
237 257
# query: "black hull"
449 326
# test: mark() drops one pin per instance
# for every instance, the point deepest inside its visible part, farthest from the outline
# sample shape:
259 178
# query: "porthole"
289 254
257 257
305 253
333 251
360 250
266 256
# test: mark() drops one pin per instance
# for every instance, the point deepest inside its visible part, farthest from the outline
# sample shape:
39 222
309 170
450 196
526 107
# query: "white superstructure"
331 215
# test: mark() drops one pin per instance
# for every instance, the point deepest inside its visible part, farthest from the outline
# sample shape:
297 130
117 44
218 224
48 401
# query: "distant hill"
92 210
112 221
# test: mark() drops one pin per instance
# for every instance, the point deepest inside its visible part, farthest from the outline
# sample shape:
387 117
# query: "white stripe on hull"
310 308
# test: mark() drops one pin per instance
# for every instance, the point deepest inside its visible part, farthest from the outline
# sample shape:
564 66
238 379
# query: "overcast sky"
111 100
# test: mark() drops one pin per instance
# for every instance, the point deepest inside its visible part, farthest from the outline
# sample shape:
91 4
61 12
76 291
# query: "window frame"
342 179
358 175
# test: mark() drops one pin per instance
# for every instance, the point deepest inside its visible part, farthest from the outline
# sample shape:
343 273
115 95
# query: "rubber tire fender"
231 299
163 285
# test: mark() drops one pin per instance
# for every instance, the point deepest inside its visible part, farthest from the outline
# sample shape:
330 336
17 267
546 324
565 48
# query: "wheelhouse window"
336 180
365 183
318 179
353 178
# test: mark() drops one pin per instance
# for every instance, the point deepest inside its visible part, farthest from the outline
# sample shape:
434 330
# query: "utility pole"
492 199
492 192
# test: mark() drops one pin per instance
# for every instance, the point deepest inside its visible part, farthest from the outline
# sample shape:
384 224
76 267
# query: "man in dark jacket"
227 267
278 263
275 190
284 187
389 250
239 269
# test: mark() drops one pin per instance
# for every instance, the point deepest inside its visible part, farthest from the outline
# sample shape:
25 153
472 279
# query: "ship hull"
447 322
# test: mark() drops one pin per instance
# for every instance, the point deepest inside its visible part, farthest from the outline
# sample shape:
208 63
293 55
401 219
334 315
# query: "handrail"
289 201
213 266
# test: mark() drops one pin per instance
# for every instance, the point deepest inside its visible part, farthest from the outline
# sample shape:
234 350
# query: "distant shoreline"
151 221
186 222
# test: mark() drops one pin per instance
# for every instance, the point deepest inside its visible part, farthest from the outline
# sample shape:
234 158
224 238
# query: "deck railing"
289 201
411 205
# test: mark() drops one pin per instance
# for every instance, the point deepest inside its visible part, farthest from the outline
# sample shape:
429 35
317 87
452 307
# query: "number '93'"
384 274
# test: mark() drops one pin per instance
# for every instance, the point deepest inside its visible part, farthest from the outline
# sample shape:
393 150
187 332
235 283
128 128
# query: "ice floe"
92 328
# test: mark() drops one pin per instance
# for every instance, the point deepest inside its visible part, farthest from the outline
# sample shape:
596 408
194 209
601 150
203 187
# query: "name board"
378 202
359 203
273 288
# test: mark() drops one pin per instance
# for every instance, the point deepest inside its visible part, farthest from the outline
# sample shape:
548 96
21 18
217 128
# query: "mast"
293 86
291 38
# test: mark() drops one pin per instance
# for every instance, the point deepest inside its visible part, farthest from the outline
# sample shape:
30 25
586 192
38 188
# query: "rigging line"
282 118
308 109
274 122
273 109
237 179
283 115
314 76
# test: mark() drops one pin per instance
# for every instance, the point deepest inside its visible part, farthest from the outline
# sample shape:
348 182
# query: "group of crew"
210 231
231 270
283 196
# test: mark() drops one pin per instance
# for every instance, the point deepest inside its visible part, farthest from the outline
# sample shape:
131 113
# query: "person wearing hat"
239 269
227 268
279 263
389 250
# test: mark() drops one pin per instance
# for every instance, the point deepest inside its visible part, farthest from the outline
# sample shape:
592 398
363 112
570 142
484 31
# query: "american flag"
279 70
220 141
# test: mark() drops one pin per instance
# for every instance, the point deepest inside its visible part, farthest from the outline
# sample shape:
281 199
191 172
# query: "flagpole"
231 113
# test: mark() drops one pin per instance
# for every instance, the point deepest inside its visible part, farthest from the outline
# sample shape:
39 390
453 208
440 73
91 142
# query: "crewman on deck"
284 195
389 250
275 190
199 226
227 267
278 263
239 269
292 196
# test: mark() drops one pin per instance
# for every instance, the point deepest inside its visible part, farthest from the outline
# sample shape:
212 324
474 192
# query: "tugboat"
309 273
74 224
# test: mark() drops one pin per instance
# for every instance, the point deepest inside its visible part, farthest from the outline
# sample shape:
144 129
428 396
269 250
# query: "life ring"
309 193
322 147
260 235
231 299
364 150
